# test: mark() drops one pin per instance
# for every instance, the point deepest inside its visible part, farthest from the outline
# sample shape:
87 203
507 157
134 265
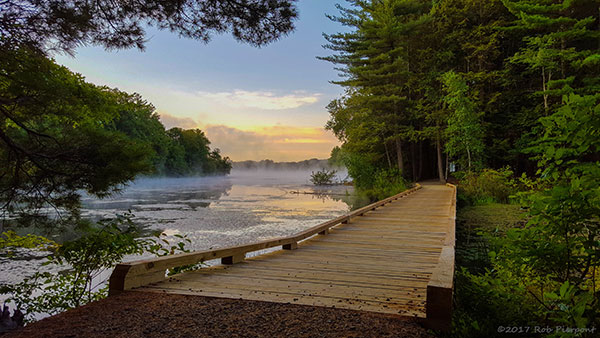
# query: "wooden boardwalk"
394 258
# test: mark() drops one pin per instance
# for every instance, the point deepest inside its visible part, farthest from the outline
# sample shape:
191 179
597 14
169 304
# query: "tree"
559 45
556 256
55 137
138 119
192 154
59 134
464 131
62 25
377 65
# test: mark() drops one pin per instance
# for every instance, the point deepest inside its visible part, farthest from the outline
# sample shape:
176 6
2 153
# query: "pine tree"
377 62
561 45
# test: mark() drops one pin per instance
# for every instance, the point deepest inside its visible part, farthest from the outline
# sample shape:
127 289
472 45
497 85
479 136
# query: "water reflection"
216 211
221 211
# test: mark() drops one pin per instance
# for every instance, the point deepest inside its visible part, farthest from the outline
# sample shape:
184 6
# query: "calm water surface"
244 207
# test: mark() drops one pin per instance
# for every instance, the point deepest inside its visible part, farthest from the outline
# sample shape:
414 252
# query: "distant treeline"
269 164
173 152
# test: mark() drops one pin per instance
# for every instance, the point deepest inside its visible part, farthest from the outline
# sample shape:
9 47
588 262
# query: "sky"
252 103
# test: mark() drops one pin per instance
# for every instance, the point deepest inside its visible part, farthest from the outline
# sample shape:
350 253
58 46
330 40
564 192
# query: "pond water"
244 207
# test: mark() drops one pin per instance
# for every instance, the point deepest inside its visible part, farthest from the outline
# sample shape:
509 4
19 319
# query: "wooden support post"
229 260
439 308
291 246
439 292
123 279
324 232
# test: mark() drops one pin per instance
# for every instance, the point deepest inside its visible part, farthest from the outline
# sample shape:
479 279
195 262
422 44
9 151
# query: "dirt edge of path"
141 314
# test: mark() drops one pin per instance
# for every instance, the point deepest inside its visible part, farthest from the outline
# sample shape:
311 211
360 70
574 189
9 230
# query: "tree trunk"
387 154
440 165
420 173
399 154
447 167
469 158
413 160
545 88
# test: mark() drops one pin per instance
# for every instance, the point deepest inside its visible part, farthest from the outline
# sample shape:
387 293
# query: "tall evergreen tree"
561 45
378 61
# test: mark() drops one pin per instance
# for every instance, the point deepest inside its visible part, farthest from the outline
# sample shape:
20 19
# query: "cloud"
260 99
171 121
279 143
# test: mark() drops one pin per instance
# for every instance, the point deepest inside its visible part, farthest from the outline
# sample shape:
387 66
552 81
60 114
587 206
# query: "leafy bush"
361 169
487 186
9 241
323 177
386 183
484 302
550 266
84 261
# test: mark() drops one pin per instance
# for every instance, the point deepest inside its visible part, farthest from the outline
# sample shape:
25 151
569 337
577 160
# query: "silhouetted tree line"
272 165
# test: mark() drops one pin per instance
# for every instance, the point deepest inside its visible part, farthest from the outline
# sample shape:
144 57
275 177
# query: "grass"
492 217
474 224
476 309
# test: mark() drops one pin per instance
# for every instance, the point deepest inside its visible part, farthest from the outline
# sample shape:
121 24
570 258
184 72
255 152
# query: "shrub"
83 262
323 177
386 183
487 186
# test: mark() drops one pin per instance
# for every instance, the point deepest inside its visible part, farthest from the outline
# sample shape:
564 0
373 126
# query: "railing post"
229 260
438 307
291 246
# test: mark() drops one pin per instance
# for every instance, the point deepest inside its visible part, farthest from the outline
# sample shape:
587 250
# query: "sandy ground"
138 314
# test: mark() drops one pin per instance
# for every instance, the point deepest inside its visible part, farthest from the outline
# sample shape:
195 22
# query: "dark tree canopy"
63 25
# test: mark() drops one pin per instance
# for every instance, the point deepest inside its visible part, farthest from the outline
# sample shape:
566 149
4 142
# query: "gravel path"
138 314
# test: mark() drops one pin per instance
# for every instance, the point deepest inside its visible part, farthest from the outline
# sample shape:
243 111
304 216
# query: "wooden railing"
143 272
440 287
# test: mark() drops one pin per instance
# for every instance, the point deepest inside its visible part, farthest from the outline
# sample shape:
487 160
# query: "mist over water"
246 206
217 211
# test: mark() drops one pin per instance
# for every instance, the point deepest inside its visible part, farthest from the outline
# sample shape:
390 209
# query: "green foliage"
552 264
9 241
383 184
560 43
188 153
487 302
59 25
85 262
484 298
55 137
464 132
375 115
323 177
386 183
486 186
336 158
60 135
490 82
361 170
561 243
